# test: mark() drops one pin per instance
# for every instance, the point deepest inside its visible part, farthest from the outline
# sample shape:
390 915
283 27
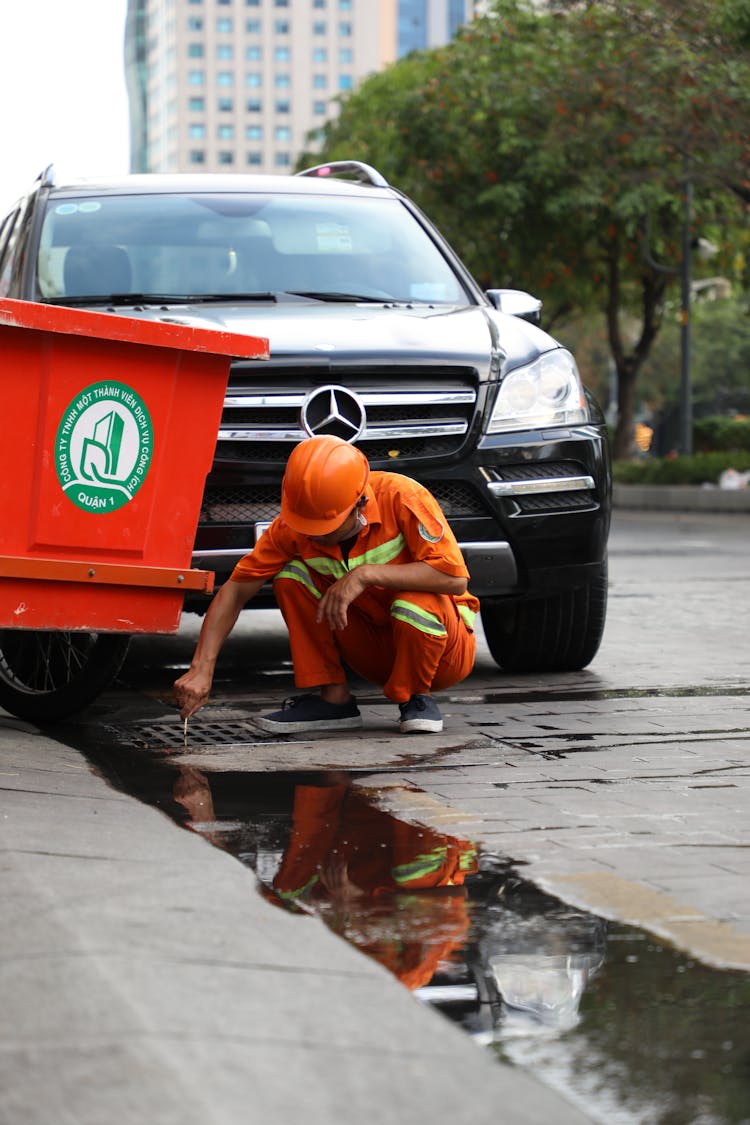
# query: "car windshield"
240 245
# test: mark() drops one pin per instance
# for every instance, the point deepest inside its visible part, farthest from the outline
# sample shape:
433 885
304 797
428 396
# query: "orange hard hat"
325 477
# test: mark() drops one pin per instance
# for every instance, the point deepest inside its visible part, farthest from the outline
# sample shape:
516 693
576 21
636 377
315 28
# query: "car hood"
416 335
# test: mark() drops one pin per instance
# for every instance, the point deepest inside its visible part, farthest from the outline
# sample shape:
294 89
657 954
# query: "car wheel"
558 633
46 676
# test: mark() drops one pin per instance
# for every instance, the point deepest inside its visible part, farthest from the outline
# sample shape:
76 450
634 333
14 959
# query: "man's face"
345 531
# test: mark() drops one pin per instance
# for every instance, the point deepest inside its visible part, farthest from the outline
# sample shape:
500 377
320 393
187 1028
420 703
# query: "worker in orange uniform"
367 572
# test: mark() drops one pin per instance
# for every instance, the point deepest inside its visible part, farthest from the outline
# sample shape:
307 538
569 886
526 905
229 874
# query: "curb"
680 498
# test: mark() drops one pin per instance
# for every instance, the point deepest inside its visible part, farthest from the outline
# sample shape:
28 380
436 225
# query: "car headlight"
548 392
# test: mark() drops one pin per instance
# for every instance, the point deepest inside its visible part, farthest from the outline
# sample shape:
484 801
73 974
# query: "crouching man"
367 573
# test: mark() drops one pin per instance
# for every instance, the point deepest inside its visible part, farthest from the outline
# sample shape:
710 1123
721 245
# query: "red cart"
110 430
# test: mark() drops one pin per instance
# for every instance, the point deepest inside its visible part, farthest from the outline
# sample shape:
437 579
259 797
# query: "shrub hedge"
699 469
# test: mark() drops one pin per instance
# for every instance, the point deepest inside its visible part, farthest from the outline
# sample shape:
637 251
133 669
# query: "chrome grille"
412 412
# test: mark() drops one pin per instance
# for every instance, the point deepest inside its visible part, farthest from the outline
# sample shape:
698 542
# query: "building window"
253 27
320 82
346 55
254 158
345 82
226 3
196 77
197 156
281 3
226 157
195 23
224 25
319 27
254 132
282 133
283 107
195 50
282 81
196 132
281 27
253 78
225 105
320 108
320 54
225 78
282 159
282 54
254 105
225 51
196 105
345 5
254 53
253 3
319 3
225 132
345 30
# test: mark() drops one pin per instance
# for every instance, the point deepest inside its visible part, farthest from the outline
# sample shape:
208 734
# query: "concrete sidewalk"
145 981
680 498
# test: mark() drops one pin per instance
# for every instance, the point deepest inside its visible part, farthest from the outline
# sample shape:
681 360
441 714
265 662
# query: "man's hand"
337 598
192 690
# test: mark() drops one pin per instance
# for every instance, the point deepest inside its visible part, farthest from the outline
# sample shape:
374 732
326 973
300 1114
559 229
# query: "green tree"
541 142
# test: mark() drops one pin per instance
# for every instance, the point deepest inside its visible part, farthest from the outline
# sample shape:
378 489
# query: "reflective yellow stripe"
298 572
331 568
467 615
414 615
382 554
467 860
422 865
291 895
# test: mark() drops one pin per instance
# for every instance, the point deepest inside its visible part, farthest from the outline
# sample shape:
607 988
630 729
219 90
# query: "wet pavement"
608 810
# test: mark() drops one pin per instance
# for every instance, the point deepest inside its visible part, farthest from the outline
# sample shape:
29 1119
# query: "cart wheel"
45 676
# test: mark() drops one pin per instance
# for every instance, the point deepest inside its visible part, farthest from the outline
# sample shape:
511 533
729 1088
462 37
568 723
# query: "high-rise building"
239 85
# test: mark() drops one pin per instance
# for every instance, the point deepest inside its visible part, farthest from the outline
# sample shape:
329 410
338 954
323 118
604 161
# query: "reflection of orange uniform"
408 641
381 856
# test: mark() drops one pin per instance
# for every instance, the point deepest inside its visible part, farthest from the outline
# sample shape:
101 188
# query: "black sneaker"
420 713
309 712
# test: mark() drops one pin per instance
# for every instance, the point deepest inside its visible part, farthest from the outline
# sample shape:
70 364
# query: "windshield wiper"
324 295
159 298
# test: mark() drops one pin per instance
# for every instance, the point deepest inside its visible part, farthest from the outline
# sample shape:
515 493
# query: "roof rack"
47 177
355 169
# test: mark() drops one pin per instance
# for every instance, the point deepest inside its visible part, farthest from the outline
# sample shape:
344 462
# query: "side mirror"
515 302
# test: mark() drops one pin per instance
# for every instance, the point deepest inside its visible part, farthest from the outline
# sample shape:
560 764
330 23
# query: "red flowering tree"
547 143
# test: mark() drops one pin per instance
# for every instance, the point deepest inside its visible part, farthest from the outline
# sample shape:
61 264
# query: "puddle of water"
631 1030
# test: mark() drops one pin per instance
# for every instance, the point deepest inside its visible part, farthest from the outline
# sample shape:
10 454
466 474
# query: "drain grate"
207 732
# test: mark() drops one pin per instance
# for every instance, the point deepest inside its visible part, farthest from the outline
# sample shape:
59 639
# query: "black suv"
377 333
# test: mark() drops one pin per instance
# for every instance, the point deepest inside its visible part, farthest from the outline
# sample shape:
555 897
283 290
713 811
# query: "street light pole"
686 388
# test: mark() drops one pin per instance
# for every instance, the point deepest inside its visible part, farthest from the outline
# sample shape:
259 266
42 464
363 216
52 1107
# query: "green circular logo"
103 447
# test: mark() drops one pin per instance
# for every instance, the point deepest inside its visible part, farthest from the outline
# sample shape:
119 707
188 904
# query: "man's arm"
192 690
392 576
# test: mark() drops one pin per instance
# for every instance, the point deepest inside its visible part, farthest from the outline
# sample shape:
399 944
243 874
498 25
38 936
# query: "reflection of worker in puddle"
192 790
393 889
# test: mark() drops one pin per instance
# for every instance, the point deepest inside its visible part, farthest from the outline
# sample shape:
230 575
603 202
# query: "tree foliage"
540 141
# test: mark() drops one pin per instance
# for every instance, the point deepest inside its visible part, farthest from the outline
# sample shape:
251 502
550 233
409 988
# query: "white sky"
62 91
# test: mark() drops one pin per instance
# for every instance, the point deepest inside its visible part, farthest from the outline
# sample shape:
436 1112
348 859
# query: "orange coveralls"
407 641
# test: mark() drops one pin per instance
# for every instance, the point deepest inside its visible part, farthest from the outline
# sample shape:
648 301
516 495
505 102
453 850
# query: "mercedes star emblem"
333 410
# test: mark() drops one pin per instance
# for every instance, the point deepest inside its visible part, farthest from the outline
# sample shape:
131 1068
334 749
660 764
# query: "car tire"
46 675
557 633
